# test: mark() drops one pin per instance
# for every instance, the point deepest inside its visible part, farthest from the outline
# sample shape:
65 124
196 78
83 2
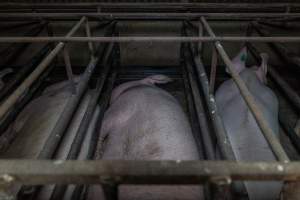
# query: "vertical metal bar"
223 141
249 99
193 116
88 33
203 123
218 126
84 124
213 70
200 34
13 98
69 70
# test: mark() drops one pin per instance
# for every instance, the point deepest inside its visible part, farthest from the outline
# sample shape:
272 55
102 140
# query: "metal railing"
113 173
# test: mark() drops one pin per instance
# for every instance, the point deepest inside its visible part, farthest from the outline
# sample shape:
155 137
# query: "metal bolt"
6 179
221 180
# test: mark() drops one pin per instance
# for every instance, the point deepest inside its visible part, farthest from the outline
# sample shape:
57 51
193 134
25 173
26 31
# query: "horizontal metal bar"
249 99
13 98
143 5
147 38
149 15
37 172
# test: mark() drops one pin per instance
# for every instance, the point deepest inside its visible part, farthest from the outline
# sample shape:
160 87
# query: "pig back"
150 124
245 136
34 124
147 123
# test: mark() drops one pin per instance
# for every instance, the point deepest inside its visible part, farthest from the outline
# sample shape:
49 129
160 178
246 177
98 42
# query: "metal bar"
193 93
11 84
200 34
202 120
249 99
37 172
85 122
88 33
13 98
149 39
218 126
10 54
18 25
281 25
145 4
290 94
58 131
193 117
222 139
288 56
149 15
5 122
213 70
94 139
69 70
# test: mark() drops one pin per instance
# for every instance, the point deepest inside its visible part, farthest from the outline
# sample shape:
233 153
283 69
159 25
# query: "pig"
35 122
144 122
245 136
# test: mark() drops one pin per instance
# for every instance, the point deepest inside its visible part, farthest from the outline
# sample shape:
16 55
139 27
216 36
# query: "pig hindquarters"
145 122
243 132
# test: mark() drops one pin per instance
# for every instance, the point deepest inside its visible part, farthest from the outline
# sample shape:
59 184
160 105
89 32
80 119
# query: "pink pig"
244 134
145 122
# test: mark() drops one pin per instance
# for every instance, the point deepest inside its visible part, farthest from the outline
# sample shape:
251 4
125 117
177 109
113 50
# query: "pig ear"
262 71
239 61
157 79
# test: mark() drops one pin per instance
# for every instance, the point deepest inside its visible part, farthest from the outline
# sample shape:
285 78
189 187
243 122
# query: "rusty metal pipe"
148 39
37 172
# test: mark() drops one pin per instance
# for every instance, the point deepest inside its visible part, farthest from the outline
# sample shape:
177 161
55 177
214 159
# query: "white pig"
243 131
35 122
145 122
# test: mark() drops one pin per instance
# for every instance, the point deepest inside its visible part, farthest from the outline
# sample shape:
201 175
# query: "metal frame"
113 173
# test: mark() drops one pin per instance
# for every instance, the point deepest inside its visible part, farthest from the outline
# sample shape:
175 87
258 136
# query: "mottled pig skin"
243 131
145 122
